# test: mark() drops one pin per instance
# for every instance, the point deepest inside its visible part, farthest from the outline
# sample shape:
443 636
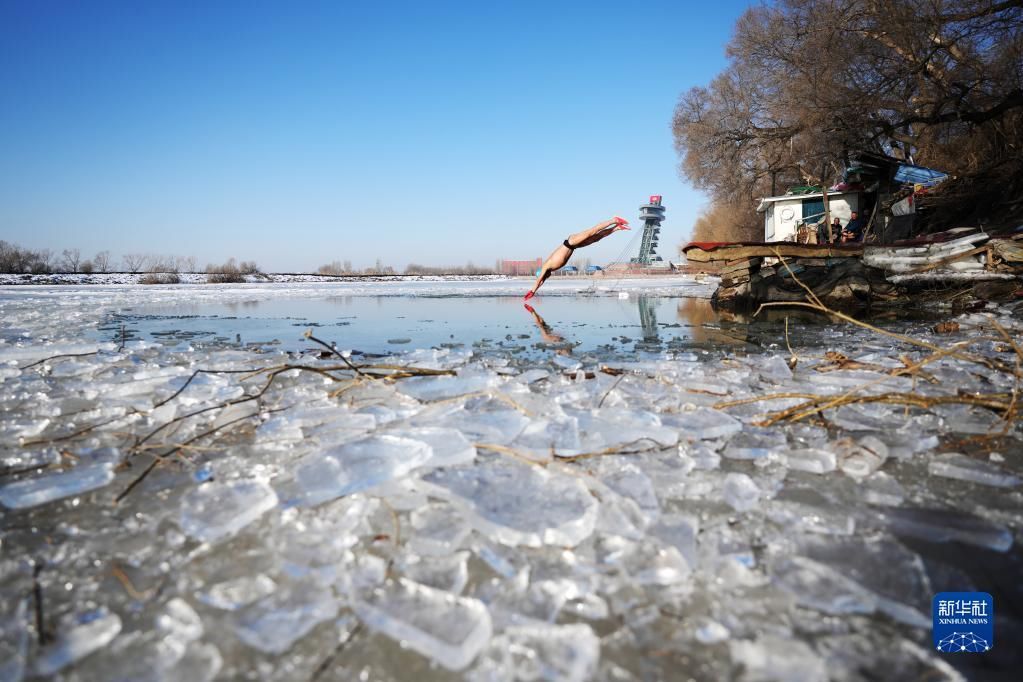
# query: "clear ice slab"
946 525
215 510
276 622
358 465
48 487
517 503
90 632
447 629
963 468
540 652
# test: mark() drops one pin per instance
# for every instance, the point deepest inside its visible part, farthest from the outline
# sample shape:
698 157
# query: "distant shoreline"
128 278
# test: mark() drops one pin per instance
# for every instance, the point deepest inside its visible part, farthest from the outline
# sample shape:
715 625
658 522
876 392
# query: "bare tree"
102 261
937 82
87 267
70 259
135 262
333 268
43 261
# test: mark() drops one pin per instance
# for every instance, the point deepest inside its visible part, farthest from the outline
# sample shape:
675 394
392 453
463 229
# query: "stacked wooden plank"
702 252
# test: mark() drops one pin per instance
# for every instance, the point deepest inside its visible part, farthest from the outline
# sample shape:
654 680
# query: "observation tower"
651 214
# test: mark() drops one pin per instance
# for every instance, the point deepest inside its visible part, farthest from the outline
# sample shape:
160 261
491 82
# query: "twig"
911 399
761 398
37 596
332 349
138 479
619 449
328 662
613 387
79 432
62 355
126 583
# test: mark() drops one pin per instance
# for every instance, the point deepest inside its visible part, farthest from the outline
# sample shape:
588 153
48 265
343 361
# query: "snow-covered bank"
569 517
80 279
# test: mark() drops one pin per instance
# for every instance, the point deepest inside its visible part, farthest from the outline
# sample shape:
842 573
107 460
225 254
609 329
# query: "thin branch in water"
335 351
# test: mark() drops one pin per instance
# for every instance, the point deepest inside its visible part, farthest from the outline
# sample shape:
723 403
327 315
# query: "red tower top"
655 199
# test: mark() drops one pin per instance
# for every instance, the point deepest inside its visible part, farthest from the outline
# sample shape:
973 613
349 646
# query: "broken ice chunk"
810 511
540 437
679 531
234 594
32 492
517 503
944 525
532 375
772 657
447 629
275 623
812 460
450 447
894 576
91 631
439 529
703 423
955 465
601 428
179 621
967 419
25 460
649 563
13 639
755 443
358 465
740 492
881 489
860 459
541 652
200 663
818 586
711 632
774 368
449 573
492 426
469 380
628 480
217 510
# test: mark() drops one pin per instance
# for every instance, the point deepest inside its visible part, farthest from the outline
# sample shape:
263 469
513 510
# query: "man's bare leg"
597 232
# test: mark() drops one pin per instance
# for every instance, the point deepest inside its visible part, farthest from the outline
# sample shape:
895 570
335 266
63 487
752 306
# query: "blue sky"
294 134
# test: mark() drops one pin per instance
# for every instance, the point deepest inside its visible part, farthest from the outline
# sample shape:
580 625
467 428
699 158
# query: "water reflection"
554 341
368 323
648 319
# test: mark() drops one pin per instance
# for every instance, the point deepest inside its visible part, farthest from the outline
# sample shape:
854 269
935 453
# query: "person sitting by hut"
853 230
822 231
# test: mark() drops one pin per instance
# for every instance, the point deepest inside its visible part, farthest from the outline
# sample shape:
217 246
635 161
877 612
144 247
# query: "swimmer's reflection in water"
557 341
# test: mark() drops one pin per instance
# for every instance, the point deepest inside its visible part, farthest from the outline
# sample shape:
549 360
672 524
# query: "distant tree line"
936 82
17 260
337 268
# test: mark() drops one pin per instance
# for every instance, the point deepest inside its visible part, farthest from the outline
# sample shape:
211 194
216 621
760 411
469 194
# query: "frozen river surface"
606 487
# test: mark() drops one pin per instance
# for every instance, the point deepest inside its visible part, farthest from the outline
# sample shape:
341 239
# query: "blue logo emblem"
963 622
